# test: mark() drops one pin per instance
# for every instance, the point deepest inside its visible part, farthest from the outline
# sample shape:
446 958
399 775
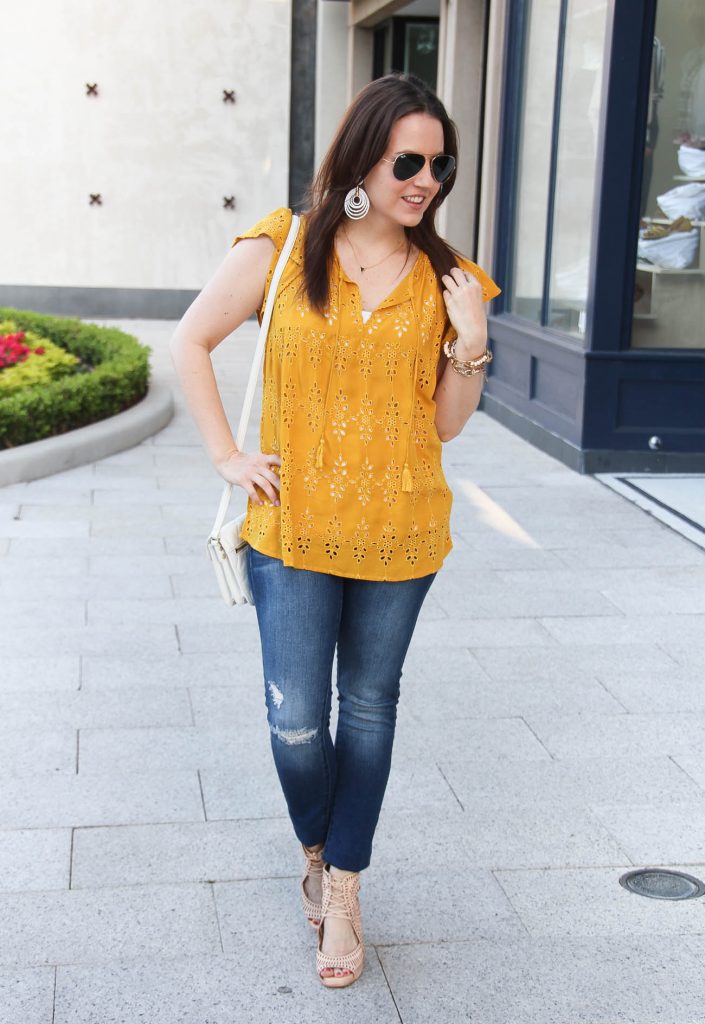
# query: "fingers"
458 279
263 482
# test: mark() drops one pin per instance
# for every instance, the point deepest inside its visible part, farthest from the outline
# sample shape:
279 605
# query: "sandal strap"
314 866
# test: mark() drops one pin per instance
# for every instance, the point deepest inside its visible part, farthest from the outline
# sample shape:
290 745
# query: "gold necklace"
370 266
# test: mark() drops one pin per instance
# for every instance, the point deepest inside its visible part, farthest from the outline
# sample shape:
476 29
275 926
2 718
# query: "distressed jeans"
333 790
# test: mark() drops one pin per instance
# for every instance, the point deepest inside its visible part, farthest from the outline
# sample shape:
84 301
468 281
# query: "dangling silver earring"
357 203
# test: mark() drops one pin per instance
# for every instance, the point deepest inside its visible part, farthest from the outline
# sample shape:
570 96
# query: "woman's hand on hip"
251 471
464 302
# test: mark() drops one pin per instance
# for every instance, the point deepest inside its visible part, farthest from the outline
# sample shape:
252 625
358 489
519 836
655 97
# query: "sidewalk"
551 736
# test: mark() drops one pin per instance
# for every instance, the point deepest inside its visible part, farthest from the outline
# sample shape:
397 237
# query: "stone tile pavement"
551 737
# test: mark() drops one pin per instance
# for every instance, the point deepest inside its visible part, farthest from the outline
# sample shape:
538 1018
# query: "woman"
348 511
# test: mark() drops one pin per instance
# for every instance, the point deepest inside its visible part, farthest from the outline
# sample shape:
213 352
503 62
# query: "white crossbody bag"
226 548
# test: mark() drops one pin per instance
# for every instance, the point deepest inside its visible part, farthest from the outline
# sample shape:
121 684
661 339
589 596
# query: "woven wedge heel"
314 866
340 899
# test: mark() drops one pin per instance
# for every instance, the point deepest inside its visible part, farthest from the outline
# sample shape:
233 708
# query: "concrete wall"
331 72
460 86
158 142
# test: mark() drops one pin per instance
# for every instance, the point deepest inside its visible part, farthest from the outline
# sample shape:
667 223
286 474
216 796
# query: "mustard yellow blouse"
348 406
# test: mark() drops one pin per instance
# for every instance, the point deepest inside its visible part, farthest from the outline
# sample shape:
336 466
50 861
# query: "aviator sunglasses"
406 165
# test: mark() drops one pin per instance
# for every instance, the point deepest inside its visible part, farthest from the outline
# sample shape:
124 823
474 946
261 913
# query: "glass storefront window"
421 50
533 158
576 164
669 290
559 124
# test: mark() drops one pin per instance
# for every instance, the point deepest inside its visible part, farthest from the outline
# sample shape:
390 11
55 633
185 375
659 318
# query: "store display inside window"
669 299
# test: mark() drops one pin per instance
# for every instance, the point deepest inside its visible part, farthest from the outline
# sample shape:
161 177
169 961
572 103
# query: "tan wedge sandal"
314 866
340 899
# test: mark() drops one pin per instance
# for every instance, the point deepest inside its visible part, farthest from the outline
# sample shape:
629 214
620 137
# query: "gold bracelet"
467 367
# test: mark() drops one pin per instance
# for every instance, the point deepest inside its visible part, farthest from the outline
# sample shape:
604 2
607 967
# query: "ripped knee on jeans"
293 737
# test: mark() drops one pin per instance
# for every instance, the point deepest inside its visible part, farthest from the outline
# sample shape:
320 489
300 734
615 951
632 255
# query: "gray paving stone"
213 705
58 672
57 588
646 629
682 578
30 752
480 739
141 855
45 493
14 570
27 996
497 632
239 636
590 901
111 799
667 691
56 546
49 529
562 980
185 544
199 583
626 735
8 509
688 653
122 529
667 552
97 927
97 709
227 797
4 545
158 563
526 605
558 662
602 779
693 766
444 701
492 838
138 638
470 559
252 986
658 832
256 910
406 907
425 666
210 610
654 600
170 748
177 670
19 610
34 858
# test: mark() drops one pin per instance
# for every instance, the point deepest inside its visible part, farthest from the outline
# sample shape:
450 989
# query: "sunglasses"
406 165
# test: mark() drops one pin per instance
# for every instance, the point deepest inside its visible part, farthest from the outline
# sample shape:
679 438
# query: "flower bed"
58 374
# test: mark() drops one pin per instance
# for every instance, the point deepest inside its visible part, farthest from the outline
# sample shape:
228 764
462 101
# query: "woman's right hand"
252 471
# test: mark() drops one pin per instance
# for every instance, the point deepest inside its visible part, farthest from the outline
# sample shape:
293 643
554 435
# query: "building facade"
139 139
582 190
145 137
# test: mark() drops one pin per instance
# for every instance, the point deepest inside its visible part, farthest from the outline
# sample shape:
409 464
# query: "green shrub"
54 362
116 376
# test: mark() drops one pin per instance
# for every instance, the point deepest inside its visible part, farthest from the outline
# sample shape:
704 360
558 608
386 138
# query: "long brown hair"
360 143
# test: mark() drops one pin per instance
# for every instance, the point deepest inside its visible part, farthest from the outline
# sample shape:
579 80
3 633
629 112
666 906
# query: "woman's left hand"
463 299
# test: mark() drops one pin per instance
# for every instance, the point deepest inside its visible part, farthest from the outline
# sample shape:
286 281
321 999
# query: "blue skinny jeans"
333 790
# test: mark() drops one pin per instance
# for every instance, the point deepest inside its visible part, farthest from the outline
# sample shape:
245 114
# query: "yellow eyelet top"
348 406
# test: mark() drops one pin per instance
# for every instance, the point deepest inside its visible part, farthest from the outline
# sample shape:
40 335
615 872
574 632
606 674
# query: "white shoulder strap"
257 363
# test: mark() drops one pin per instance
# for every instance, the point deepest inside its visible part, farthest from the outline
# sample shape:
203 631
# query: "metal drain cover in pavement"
661 884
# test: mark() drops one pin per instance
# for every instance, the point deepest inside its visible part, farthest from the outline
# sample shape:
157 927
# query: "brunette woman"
375 356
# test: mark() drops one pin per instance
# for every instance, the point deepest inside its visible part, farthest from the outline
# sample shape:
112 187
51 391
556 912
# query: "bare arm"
458 397
231 296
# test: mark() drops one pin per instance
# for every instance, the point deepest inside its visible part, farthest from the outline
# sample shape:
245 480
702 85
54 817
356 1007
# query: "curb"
90 443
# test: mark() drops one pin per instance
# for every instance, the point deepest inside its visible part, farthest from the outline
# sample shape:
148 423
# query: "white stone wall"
158 142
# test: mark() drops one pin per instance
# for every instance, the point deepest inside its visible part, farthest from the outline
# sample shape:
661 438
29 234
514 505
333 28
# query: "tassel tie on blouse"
407 479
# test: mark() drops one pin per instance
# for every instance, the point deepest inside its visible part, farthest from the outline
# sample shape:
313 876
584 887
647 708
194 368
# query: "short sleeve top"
348 406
